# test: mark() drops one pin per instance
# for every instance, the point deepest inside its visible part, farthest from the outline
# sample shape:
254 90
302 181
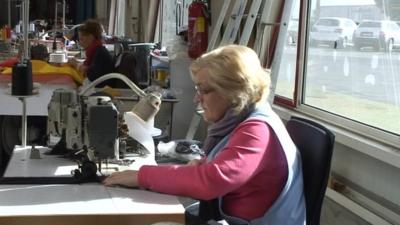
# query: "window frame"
297 103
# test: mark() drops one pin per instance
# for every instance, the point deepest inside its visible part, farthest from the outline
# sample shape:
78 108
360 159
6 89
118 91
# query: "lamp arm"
108 76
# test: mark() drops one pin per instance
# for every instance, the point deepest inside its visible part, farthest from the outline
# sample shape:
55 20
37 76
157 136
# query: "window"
174 18
350 72
287 66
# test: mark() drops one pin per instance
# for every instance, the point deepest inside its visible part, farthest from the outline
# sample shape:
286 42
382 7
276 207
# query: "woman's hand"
73 62
78 65
194 162
126 178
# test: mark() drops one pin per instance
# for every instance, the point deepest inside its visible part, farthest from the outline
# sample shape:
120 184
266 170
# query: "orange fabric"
53 79
40 68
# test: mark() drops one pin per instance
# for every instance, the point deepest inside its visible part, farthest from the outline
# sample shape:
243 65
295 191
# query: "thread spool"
22 83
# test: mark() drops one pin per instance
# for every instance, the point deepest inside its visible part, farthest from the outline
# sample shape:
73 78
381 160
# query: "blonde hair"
236 72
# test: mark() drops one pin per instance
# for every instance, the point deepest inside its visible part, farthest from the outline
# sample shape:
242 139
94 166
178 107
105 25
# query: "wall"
370 176
182 86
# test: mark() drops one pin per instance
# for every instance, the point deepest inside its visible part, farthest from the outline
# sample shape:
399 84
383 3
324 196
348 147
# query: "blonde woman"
252 168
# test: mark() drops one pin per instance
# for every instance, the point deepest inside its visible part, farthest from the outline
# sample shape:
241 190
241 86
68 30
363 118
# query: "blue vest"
289 208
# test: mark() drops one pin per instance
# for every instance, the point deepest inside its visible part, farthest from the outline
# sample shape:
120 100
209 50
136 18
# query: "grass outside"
377 114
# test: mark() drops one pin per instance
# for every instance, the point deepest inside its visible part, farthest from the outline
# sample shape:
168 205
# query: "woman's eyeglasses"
202 91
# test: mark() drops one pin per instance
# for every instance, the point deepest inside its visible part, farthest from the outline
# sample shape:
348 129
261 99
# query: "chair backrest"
315 144
125 63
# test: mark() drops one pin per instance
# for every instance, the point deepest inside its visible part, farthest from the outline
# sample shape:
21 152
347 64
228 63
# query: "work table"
89 203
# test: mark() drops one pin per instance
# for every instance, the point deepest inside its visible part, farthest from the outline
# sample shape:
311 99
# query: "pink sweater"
249 172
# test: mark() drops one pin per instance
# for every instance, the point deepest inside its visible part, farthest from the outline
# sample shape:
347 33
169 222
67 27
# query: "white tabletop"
55 165
77 204
36 105
82 199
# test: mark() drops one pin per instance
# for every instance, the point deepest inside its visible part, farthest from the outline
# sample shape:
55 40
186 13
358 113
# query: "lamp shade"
140 121
148 106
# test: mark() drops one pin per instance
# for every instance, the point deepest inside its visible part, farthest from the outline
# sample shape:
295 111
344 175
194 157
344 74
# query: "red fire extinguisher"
197 29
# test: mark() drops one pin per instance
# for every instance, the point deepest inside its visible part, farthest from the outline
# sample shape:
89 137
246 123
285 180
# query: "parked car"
384 34
335 32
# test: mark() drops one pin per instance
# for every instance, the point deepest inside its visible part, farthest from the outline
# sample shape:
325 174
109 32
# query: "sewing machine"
91 129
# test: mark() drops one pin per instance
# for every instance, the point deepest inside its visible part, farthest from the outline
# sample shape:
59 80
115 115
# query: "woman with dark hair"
98 60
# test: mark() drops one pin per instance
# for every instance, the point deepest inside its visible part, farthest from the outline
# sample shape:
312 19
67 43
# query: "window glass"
287 65
168 22
328 22
354 71
174 20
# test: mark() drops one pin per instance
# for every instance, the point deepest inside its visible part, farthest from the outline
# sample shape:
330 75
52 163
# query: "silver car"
336 32
384 34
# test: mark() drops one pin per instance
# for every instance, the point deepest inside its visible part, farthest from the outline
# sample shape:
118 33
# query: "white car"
384 34
335 32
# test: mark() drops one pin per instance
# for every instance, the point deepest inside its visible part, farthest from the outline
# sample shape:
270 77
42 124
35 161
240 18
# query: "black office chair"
315 143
